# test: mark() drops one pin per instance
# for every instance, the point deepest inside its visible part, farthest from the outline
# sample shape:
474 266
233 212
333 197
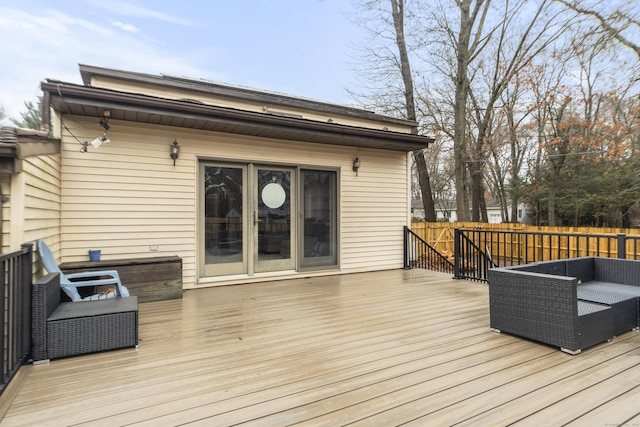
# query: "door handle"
256 220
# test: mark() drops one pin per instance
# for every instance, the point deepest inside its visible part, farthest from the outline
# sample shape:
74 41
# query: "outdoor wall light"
356 165
100 140
174 151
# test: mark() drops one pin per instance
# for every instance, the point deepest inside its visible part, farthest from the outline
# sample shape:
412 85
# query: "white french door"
247 218
273 218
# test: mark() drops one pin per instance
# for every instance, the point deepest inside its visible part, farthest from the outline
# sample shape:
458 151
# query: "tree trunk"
460 111
476 194
425 186
552 199
397 7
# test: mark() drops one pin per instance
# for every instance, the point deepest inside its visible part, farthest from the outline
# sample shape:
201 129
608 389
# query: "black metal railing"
476 251
15 311
419 254
471 261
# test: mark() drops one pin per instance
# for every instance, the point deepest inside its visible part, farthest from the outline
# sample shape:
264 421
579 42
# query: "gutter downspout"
45 122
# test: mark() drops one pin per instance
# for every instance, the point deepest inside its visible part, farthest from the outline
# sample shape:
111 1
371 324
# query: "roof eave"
238 93
74 99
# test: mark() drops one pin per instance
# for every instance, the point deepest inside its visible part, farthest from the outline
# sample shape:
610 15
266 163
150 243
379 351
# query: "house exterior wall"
210 99
126 196
42 198
33 209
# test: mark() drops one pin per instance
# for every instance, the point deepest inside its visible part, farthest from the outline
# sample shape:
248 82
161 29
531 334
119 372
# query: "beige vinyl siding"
34 207
373 212
42 198
126 196
166 93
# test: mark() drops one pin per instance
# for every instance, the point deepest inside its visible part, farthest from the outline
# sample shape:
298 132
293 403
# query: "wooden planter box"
150 279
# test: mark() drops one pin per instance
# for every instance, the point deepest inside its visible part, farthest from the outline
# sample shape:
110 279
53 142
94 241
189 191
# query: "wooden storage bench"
150 279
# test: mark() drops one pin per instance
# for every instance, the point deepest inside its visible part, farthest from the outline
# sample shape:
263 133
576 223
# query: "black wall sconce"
174 151
356 165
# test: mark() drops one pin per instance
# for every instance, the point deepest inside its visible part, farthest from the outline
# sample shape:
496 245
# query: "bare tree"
469 71
384 69
469 40
398 14
516 43
476 48
616 22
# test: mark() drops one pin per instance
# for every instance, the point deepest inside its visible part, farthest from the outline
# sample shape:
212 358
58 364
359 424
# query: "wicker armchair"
545 308
572 304
61 329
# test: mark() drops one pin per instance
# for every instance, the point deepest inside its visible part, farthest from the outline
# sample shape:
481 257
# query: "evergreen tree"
32 118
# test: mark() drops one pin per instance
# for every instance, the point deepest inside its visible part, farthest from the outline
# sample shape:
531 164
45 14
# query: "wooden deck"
385 348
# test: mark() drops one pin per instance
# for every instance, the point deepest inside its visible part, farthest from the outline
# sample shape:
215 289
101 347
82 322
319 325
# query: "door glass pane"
319 195
223 209
274 214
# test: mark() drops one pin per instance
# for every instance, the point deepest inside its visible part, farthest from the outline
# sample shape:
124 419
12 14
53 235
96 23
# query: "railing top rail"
546 233
22 251
416 236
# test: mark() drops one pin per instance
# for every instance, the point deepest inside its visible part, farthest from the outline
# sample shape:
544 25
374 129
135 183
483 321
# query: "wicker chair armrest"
45 298
542 307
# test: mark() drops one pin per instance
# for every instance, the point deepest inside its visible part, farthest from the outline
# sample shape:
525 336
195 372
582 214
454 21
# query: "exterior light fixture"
356 165
105 120
100 140
174 151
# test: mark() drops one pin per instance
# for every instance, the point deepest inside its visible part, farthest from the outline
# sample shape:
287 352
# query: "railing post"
26 284
456 253
622 246
406 247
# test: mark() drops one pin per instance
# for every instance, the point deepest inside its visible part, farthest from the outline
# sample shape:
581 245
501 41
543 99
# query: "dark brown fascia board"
9 150
33 147
68 92
9 162
26 143
238 93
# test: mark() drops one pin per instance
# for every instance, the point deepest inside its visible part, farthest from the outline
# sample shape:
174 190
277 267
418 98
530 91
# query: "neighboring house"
417 210
243 185
494 212
446 211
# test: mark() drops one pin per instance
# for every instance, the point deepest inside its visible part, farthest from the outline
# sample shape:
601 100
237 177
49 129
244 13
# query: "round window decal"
273 195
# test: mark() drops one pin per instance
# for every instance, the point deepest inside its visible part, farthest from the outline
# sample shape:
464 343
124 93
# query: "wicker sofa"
61 329
572 304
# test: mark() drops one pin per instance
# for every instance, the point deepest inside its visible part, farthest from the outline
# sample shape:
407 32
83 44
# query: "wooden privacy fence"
475 248
518 243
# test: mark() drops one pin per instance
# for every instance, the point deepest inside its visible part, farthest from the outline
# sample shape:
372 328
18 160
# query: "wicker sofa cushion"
68 310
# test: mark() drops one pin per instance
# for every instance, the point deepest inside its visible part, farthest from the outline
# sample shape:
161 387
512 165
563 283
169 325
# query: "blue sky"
298 47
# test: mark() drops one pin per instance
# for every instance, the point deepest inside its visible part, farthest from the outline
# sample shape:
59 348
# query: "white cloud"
126 27
128 9
50 44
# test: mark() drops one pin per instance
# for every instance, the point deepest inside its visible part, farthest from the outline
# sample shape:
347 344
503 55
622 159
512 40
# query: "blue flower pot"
94 255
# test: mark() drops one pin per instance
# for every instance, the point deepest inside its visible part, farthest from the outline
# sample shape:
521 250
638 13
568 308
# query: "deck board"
383 348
